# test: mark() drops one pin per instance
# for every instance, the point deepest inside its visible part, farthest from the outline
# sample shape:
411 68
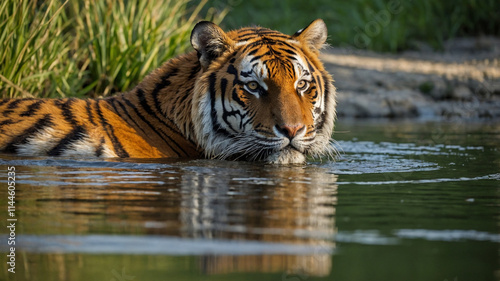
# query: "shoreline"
462 82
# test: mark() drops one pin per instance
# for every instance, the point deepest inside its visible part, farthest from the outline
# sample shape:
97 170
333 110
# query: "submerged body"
251 94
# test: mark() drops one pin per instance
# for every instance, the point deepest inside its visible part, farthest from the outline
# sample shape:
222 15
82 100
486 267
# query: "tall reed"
89 47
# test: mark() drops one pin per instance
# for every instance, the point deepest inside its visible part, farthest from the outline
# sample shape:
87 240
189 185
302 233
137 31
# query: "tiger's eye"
302 85
252 85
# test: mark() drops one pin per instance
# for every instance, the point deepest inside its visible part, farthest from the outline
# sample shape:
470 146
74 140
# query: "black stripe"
259 57
232 70
164 83
326 90
274 52
247 37
112 102
156 91
100 148
237 99
4 101
225 112
262 36
246 32
15 103
32 108
290 52
283 43
268 42
75 135
316 92
251 53
257 45
117 146
67 111
244 73
319 83
126 113
89 112
6 122
134 108
249 120
272 33
223 86
309 65
6 113
23 138
325 96
144 104
215 125
104 123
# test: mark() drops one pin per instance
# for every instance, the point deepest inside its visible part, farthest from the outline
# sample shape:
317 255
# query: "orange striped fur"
251 94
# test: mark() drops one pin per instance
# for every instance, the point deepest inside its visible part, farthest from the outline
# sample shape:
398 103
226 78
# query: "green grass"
380 25
89 47
59 48
33 48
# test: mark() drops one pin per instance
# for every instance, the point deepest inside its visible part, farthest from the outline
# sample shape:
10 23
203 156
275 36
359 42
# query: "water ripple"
158 245
423 181
447 235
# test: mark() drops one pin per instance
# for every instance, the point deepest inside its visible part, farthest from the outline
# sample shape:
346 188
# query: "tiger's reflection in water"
289 211
292 205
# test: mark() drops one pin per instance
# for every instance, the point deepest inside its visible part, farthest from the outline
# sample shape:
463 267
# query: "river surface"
404 201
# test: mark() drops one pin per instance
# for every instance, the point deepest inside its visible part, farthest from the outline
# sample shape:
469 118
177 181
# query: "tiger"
251 94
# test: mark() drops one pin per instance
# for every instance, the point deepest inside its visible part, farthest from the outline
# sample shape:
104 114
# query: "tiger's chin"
284 156
287 156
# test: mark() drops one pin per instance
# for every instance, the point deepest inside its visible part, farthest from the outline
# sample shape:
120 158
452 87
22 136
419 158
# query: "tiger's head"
263 95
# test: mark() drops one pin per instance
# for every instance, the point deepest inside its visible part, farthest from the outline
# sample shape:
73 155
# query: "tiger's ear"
314 35
210 41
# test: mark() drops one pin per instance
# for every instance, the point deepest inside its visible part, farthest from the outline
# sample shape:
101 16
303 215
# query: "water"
406 201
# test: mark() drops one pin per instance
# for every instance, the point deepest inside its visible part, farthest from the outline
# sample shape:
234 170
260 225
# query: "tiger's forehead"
268 61
267 56
252 34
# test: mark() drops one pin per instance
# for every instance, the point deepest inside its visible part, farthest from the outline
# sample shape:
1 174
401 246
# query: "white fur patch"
39 143
85 148
45 140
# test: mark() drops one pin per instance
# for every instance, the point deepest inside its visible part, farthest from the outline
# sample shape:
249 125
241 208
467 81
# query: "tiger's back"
76 127
253 94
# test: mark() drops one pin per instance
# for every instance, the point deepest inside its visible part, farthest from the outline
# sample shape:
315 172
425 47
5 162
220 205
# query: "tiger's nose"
290 131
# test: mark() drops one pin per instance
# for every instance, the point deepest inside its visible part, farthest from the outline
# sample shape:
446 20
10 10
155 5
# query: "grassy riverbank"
88 47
